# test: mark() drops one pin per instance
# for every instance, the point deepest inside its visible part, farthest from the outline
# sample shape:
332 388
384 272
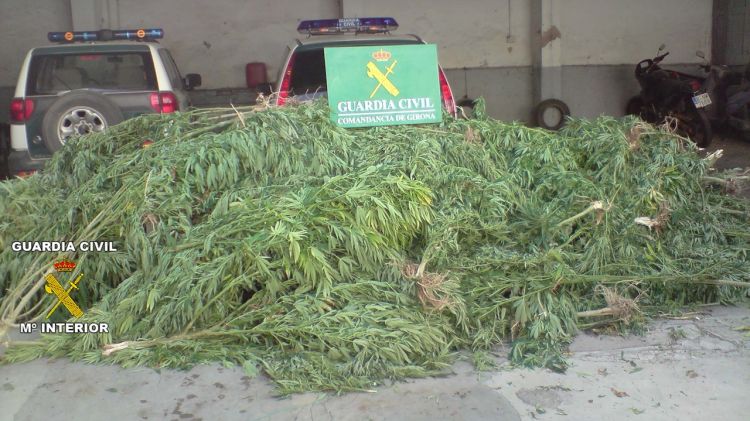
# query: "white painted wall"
469 33
24 25
474 33
217 38
625 32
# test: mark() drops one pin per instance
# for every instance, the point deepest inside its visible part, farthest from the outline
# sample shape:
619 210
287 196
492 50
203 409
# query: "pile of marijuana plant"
336 258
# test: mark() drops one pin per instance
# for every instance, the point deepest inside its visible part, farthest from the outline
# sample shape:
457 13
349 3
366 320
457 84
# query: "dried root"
658 223
149 222
622 308
713 157
430 286
731 183
670 125
112 348
472 137
263 102
634 135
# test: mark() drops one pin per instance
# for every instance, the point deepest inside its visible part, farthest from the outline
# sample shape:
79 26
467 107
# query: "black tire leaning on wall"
90 104
547 104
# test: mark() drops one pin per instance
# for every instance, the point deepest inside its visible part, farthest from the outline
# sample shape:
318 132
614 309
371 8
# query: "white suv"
86 83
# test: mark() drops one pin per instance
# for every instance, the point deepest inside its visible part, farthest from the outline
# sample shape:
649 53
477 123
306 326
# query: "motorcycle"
672 97
730 92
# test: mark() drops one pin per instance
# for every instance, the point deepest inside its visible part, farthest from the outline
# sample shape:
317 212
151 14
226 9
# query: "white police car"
85 83
303 73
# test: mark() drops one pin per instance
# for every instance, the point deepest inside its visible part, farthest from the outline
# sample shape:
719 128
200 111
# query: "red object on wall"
255 74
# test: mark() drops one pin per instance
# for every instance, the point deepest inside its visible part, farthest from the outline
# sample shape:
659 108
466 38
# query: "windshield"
50 74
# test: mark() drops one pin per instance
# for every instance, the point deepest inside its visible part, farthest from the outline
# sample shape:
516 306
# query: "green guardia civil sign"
383 85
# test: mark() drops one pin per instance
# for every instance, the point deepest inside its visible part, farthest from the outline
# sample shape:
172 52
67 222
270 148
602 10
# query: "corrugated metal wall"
738 32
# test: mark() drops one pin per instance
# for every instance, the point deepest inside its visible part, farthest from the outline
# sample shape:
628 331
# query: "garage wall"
599 48
625 32
599 40
485 45
488 33
217 38
738 32
472 33
24 25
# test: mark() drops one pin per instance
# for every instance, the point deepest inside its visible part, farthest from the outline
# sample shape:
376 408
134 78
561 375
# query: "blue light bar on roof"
106 35
72 36
156 33
332 26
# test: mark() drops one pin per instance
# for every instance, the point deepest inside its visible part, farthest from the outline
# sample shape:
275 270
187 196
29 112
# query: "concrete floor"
736 155
736 150
694 368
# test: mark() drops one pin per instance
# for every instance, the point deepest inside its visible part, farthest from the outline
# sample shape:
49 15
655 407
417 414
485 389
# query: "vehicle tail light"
286 83
164 102
695 85
24 174
446 94
21 110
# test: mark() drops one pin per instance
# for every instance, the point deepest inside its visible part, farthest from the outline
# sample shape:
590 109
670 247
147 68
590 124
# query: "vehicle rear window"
309 69
169 65
50 74
309 74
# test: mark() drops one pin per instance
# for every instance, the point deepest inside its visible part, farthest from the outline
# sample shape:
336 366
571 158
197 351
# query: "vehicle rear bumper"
20 163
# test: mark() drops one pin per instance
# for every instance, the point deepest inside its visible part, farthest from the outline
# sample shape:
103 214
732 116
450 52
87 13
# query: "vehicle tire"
554 105
635 106
75 114
694 124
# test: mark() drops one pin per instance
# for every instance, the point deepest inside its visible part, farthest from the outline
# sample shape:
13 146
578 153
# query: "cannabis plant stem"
594 206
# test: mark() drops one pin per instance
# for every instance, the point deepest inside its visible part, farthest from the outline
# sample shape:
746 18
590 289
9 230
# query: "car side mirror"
700 54
192 81
661 47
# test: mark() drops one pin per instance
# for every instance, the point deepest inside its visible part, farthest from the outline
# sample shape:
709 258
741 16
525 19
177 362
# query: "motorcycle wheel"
635 106
694 125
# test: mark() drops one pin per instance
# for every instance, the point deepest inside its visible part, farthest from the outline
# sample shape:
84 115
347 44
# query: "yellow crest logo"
381 55
373 72
54 286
